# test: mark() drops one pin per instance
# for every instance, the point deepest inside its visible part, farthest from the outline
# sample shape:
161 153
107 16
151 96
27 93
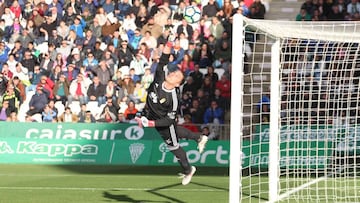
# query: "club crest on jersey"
153 97
163 100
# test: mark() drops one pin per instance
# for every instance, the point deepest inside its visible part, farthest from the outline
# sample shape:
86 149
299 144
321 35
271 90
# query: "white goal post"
296 117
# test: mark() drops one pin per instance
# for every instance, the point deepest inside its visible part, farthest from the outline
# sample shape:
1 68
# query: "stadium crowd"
320 10
92 60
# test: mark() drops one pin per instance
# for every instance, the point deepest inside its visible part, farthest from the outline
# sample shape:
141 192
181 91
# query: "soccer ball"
192 14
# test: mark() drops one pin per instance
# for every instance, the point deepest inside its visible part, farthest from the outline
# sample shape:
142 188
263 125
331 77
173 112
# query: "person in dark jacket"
37 102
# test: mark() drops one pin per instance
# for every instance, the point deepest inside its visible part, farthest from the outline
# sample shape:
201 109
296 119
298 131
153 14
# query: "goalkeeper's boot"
202 143
187 178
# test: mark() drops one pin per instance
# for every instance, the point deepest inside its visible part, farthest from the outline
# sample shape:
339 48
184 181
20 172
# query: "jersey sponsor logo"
163 100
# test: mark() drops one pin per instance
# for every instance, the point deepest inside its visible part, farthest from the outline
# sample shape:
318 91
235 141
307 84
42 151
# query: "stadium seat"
75 107
22 111
60 107
93 107
37 117
98 111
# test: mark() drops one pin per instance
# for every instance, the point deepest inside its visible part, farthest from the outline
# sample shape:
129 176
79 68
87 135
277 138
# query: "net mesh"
319 108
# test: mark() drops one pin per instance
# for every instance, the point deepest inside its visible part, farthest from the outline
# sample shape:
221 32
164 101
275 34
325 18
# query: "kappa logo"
134 133
136 150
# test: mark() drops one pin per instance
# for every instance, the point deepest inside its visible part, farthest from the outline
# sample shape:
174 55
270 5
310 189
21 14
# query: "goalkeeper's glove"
144 122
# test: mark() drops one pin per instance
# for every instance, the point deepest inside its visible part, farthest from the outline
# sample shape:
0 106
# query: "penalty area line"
101 189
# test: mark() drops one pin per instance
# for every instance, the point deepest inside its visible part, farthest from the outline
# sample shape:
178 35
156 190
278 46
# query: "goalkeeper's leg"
185 133
188 134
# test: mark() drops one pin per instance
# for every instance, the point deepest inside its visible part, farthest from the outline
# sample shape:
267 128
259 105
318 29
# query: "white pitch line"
101 189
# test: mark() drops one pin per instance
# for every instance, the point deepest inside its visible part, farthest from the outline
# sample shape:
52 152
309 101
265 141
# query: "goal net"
300 112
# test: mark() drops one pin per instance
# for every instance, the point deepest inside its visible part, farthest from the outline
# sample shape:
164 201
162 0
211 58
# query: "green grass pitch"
142 184
95 184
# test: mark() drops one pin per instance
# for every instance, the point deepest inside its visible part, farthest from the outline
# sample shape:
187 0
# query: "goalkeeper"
161 109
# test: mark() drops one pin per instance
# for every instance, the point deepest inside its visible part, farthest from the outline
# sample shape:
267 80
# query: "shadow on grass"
146 170
157 192
125 198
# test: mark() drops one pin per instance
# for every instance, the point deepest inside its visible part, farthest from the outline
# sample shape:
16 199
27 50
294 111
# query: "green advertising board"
119 144
114 144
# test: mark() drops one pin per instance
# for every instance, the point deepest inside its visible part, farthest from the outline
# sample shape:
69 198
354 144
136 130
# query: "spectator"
61 89
48 115
37 102
152 27
103 72
203 56
3 85
13 117
222 55
111 106
214 114
127 88
88 118
190 87
90 63
122 9
51 105
68 116
108 6
196 112
335 14
131 111
211 9
186 29
185 104
47 85
107 116
189 124
140 93
47 63
89 40
303 15
55 39
98 53
216 27
5 111
135 38
125 54
71 73
149 40
63 29
224 85
6 72
138 65
55 74
147 78
257 10
18 52
20 88
121 118
96 91
4 52
210 134
82 112
208 87
78 89
187 64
